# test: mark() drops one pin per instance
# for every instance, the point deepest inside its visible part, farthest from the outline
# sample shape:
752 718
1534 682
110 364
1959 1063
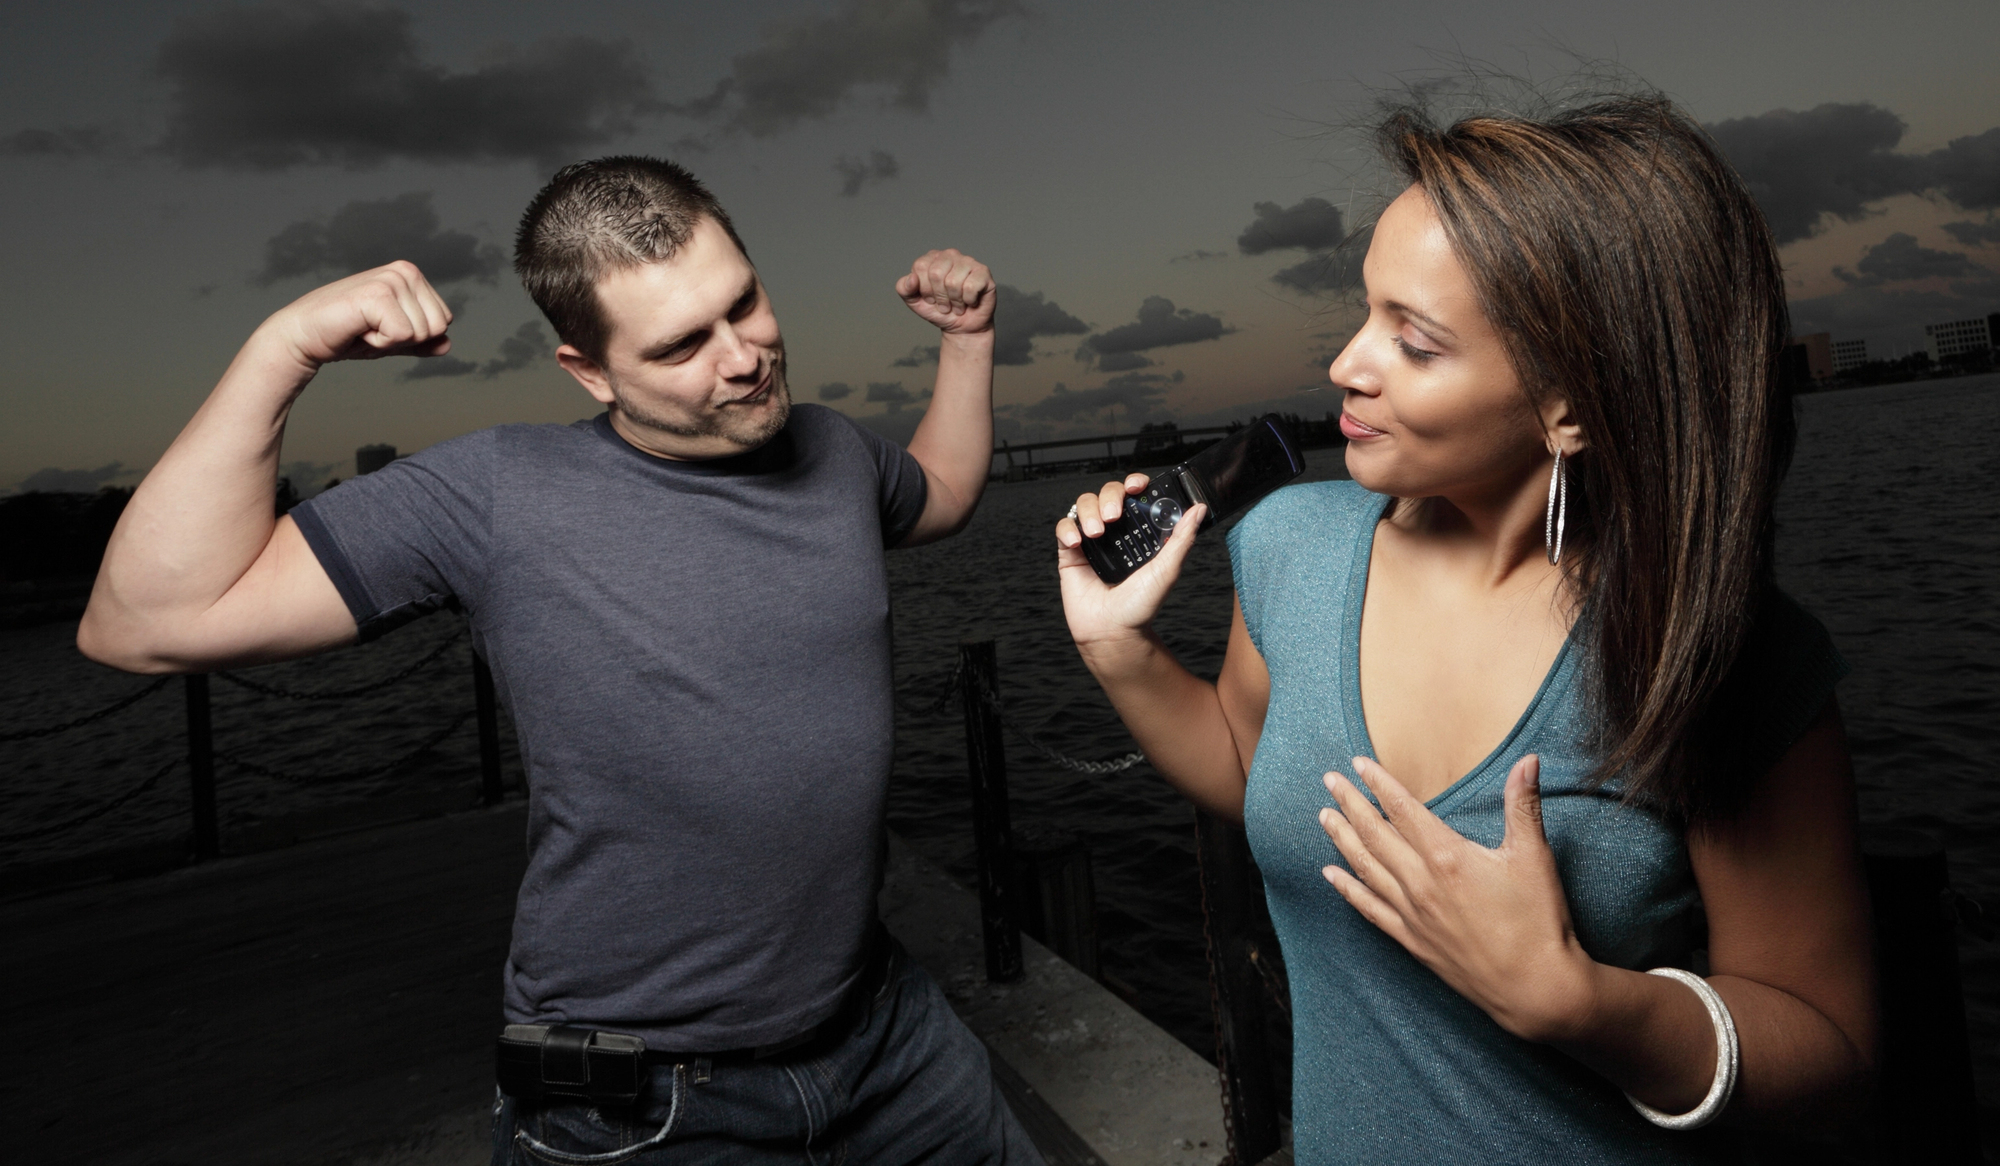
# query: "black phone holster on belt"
564 1062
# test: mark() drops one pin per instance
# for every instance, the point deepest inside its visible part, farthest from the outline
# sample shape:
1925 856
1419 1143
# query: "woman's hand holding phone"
1101 618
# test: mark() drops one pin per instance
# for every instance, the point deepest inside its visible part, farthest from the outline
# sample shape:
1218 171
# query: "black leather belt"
884 958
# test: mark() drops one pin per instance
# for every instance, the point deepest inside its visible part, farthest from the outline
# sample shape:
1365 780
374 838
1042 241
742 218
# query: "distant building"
1957 337
1817 353
370 458
1849 354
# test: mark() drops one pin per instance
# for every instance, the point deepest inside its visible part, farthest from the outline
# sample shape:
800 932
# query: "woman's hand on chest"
1492 923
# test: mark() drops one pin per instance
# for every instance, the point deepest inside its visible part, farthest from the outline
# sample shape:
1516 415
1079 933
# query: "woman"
1540 622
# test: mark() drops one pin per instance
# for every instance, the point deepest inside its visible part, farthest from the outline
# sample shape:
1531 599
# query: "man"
685 606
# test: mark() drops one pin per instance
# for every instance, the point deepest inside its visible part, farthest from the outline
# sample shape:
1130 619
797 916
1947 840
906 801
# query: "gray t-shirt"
696 658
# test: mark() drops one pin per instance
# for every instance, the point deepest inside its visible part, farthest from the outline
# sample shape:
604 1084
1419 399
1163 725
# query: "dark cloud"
1901 257
71 142
835 390
1019 317
54 481
1313 224
809 66
892 395
1327 271
1122 362
878 166
917 357
525 347
1138 393
365 234
432 367
1839 159
273 87
1975 234
1158 326
1198 255
1967 170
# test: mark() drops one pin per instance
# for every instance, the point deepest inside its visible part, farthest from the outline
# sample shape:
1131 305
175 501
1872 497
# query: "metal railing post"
201 769
490 792
1243 1051
986 763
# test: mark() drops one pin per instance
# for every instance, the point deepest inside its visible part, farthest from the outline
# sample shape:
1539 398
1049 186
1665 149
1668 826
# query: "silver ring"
1072 511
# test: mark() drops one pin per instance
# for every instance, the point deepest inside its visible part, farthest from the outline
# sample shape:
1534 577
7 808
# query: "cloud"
1839 159
70 142
525 347
835 391
1138 393
1313 224
1019 317
1158 326
1198 255
1122 362
809 66
892 395
279 86
879 166
1967 170
365 234
917 357
432 367
54 481
1325 271
1975 234
1901 257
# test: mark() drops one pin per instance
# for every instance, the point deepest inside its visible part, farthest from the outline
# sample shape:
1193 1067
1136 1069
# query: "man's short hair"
596 217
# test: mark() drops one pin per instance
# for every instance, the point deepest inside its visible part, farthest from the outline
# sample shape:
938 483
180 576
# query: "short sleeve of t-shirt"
409 538
905 490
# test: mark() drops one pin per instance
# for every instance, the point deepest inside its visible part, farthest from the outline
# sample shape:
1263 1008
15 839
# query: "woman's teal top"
1391 1065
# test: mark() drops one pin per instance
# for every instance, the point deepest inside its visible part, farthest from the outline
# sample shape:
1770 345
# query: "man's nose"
739 358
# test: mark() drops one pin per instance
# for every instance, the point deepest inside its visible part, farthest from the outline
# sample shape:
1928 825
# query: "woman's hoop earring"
1552 525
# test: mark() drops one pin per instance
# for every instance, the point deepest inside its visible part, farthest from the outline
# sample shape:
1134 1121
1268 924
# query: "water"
1894 542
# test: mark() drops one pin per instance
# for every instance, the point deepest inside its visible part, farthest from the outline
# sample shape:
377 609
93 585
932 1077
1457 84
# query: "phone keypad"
1138 542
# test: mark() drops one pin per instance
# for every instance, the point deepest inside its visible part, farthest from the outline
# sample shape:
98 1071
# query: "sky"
1160 188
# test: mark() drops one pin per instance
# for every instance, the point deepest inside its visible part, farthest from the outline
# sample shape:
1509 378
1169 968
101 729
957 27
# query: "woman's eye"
1420 355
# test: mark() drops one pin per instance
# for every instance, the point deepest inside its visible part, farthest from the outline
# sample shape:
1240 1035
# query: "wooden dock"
334 1004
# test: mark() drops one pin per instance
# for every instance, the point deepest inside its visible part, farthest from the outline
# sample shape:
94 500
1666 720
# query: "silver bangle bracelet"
1728 1057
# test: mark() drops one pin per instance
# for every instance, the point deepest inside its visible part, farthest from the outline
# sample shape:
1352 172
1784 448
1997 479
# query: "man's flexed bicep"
200 573
284 606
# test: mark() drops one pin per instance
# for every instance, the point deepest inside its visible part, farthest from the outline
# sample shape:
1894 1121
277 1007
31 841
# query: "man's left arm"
954 441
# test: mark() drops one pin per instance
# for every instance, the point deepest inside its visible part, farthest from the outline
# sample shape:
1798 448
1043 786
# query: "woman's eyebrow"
1430 322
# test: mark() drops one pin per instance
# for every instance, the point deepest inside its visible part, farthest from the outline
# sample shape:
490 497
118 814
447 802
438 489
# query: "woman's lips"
1356 430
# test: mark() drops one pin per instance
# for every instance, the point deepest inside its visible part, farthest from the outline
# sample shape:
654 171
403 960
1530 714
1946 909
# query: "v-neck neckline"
1357 716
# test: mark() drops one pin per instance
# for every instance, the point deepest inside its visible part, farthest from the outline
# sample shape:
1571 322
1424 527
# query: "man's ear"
588 373
1561 426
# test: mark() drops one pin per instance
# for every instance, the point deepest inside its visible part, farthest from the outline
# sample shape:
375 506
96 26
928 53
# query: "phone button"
1165 513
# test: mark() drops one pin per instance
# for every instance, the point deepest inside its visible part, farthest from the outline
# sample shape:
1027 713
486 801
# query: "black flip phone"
1229 476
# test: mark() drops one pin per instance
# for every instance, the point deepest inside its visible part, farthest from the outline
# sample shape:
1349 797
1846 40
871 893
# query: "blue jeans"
906 1082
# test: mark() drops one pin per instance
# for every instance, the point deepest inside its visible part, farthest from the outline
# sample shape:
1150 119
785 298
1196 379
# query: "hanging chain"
431 742
115 707
345 693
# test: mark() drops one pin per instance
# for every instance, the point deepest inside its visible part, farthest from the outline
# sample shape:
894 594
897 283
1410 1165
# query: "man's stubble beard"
745 433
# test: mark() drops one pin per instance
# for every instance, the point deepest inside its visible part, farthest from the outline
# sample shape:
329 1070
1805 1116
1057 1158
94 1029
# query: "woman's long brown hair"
1631 273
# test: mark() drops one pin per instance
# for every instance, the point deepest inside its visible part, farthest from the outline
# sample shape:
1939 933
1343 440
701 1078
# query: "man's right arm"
200 572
